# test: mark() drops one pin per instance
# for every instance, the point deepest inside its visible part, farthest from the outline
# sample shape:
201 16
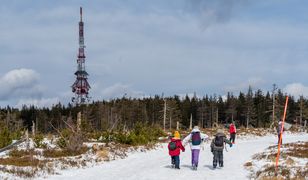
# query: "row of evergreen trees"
251 109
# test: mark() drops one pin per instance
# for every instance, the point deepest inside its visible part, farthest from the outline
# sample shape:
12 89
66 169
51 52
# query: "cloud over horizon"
120 90
296 90
19 83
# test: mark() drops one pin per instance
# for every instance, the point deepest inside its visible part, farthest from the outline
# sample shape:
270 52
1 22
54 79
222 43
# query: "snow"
155 164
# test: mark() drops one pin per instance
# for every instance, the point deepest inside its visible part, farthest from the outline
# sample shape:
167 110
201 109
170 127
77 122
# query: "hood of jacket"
195 130
220 134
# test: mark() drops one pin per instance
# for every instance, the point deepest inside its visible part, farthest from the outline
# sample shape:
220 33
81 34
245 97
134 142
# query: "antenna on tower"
80 13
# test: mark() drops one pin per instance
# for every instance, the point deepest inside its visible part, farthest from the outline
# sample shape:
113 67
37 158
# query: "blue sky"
143 48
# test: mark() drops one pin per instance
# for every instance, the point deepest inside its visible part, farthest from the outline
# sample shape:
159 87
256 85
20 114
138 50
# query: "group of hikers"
196 140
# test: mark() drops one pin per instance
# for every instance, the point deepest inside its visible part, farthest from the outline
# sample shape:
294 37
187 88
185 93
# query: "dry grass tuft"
248 164
20 161
54 153
20 153
20 172
290 161
102 154
298 150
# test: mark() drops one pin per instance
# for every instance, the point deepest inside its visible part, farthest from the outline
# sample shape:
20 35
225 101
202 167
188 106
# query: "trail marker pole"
281 130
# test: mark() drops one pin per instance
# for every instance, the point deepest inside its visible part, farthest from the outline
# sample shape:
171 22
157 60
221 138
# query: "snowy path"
155 165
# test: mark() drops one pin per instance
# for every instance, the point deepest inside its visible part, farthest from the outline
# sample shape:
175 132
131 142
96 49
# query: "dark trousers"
218 157
175 160
232 137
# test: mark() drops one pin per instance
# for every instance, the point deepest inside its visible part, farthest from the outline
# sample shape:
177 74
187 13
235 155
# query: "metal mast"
81 86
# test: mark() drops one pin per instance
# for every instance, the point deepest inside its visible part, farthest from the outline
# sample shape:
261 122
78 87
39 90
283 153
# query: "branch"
72 128
56 130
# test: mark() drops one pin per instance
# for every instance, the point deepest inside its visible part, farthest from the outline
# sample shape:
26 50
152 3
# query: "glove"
230 145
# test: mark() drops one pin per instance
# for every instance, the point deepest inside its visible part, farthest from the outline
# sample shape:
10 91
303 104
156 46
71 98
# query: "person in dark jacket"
175 146
217 147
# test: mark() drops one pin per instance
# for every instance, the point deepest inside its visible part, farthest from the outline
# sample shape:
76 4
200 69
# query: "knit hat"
220 131
177 135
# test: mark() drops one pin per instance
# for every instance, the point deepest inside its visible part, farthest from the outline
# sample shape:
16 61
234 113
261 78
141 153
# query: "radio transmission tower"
81 86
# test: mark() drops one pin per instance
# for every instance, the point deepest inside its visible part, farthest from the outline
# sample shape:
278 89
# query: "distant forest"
251 109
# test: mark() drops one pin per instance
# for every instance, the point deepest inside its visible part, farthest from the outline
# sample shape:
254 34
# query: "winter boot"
172 163
214 164
221 164
194 167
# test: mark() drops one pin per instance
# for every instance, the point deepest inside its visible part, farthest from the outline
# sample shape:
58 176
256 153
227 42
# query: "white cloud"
120 90
296 90
44 102
20 78
19 83
243 86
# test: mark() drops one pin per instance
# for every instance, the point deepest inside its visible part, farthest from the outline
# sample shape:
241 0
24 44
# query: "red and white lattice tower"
81 86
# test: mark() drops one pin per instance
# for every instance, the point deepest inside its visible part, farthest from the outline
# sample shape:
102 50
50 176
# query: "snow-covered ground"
155 164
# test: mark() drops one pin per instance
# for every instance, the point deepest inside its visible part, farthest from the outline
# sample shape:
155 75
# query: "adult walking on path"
232 130
195 139
280 131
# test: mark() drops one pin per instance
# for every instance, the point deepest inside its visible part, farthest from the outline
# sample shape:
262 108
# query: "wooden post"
274 89
36 124
301 113
78 121
247 120
202 118
177 125
27 139
33 128
165 111
217 116
170 123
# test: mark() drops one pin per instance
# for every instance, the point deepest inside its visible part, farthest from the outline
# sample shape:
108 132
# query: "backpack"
172 146
219 141
196 138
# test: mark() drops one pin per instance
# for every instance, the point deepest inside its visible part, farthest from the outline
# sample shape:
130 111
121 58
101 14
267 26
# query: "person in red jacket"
175 146
232 131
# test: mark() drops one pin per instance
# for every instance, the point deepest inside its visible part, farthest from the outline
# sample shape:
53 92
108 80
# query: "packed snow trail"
155 164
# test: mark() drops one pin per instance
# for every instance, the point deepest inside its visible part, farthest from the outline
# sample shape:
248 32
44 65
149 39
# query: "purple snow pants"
195 157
